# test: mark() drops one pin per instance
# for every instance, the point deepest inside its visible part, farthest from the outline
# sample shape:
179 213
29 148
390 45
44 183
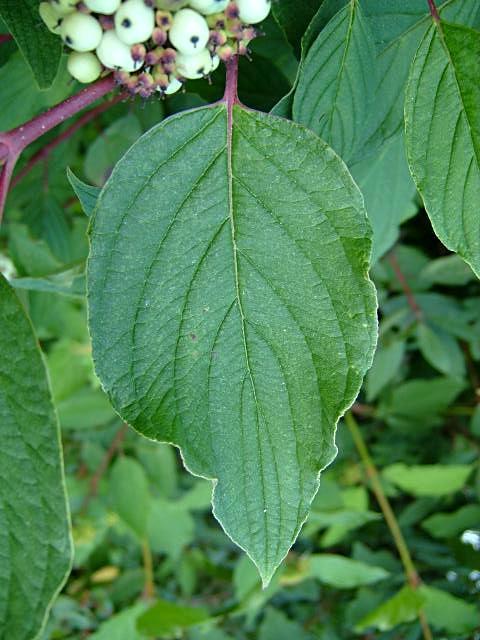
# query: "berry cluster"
152 45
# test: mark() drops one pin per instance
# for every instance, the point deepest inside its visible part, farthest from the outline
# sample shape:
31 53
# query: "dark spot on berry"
68 40
126 23
194 40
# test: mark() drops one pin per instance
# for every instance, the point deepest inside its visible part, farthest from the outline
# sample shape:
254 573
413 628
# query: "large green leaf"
42 50
337 81
442 118
230 308
34 525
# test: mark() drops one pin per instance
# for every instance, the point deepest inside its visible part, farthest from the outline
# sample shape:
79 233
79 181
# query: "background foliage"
137 516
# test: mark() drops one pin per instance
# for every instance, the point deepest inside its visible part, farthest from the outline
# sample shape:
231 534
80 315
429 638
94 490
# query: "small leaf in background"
447 525
386 363
294 17
442 114
41 49
475 421
402 607
169 618
35 531
277 626
448 612
336 82
202 245
130 494
449 271
170 528
85 409
121 626
428 480
441 350
341 572
86 193
423 399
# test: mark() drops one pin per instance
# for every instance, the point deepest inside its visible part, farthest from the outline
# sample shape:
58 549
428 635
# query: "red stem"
230 96
13 142
44 152
392 258
433 10
5 37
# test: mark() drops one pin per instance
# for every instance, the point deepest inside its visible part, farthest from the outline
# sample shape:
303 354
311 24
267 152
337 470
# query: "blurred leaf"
121 626
294 17
341 572
41 49
428 480
447 525
449 613
420 399
35 530
85 409
441 350
475 422
386 363
450 270
86 193
277 626
403 607
66 283
198 498
170 527
32 256
70 367
130 494
168 619
160 463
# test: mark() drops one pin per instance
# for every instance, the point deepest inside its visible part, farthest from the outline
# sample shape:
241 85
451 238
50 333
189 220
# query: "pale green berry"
107 7
84 67
208 7
50 17
134 22
173 86
115 54
81 32
196 66
171 5
189 32
64 7
253 11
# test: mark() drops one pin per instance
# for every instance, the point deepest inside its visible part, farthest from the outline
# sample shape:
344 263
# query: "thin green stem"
149 588
371 470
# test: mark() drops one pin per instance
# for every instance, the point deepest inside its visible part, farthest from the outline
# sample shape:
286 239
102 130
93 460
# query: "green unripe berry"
194 67
115 54
253 11
64 7
171 5
134 22
208 7
107 7
189 32
81 32
84 67
50 17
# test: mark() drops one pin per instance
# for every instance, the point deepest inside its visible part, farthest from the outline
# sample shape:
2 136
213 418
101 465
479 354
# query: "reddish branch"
13 142
392 258
5 37
433 10
44 152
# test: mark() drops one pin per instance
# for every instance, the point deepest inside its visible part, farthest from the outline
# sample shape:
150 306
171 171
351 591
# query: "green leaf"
294 17
86 409
130 494
450 270
428 480
277 626
420 399
448 525
34 523
121 626
442 119
202 246
336 82
385 366
86 193
41 49
66 283
403 607
389 193
170 528
341 572
449 613
168 618
441 350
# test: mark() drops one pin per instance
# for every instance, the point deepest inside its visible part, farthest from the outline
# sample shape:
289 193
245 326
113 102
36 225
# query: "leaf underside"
231 311
34 529
442 117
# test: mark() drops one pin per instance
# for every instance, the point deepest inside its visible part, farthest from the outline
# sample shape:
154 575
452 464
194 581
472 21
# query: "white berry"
84 67
134 22
253 11
194 67
107 7
115 54
80 31
50 17
208 7
63 7
174 86
189 32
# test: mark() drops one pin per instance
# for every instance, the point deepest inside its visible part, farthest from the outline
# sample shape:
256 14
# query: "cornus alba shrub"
229 302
